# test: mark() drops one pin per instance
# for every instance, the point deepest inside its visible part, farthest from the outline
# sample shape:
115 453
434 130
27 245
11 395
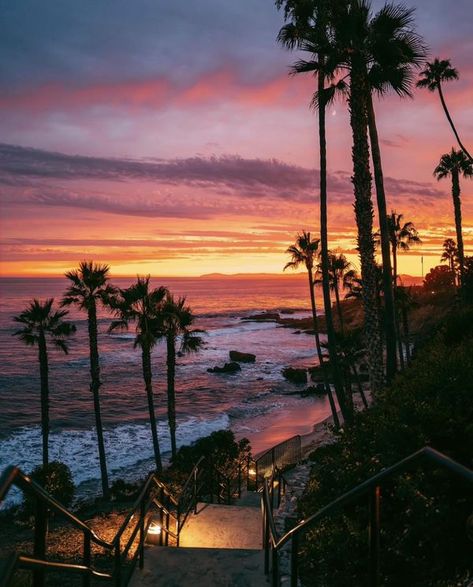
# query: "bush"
56 479
424 512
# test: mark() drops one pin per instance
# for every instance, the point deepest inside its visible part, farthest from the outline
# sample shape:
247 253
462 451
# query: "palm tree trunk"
171 375
458 222
43 369
94 388
399 344
394 250
147 376
322 363
332 341
389 310
356 375
364 218
405 325
449 118
339 307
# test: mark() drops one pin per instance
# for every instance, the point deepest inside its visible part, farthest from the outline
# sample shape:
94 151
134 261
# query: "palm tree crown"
39 320
89 285
305 252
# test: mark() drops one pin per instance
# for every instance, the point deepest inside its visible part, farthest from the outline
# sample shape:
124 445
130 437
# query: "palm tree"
405 301
340 272
397 50
40 323
89 287
175 321
308 31
450 254
143 306
305 251
401 236
455 164
441 70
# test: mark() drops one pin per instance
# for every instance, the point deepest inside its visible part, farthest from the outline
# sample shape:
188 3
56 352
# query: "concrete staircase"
220 546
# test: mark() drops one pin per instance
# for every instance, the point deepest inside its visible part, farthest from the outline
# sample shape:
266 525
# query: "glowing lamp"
154 533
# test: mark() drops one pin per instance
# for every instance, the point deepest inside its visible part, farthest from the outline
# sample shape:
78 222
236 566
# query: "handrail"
14 476
372 482
371 485
276 446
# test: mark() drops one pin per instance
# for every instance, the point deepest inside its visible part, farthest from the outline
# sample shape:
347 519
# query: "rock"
263 316
318 390
295 375
242 357
316 374
297 332
227 368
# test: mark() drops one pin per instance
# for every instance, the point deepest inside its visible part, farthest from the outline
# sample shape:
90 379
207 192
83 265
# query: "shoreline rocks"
237 356
227 368
295 375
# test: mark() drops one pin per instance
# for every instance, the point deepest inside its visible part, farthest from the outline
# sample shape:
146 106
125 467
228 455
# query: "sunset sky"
167 138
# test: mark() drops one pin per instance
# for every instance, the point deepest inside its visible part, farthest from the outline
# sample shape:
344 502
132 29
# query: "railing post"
266 540
275 566
86 559
374 532
142 535
294 560
40 534
166 538
256 475
118 565
195 491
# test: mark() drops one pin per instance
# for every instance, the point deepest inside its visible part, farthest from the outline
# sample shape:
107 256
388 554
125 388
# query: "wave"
126 446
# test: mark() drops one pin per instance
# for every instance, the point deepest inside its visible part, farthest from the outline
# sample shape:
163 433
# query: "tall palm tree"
305 252
308 30
401 236
455 164
143 306
441 70
450 254
175 322
397 50
89 287
41 323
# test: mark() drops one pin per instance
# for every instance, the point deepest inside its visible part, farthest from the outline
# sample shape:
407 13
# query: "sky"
168 138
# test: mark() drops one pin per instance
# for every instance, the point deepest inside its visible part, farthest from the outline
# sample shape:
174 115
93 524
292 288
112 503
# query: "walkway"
220 547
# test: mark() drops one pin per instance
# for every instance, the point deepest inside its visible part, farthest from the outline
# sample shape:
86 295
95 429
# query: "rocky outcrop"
295 375
227 368
263 317
242 357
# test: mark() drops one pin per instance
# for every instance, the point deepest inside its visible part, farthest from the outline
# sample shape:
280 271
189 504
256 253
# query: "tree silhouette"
305 252
89 287
441 70
142 306
456 164
174 325
40 324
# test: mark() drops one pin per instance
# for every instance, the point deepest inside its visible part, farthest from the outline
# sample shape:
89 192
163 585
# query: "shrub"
424 512
56 479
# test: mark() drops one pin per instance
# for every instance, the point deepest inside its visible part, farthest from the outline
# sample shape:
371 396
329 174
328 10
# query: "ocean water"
256 402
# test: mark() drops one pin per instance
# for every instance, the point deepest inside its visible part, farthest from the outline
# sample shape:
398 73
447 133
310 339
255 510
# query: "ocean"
257 402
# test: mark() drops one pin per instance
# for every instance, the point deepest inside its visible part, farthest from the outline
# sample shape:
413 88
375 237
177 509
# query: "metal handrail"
14 476
372 486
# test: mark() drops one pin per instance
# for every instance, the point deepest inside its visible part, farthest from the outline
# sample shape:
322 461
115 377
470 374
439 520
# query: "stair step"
223 526
201 567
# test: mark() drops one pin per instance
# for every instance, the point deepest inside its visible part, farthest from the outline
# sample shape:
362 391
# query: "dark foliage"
424 513
56 479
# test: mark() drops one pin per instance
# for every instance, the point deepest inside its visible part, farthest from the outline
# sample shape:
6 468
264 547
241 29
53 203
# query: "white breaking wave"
125 446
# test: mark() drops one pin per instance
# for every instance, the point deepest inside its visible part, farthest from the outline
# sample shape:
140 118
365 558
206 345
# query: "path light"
153 535
252 472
